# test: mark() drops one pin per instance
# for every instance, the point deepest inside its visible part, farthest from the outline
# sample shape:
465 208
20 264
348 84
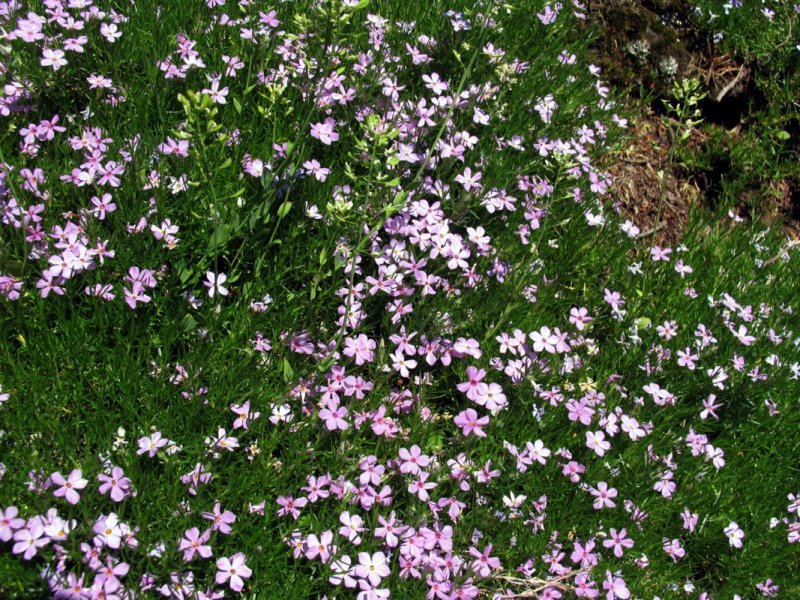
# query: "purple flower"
69 487
221 520
469 422
194 542
151 444
324 131
9 523
116 483
233 569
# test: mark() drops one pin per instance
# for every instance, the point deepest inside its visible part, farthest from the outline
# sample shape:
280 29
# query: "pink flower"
214 284
321 546
583 554
483 563
233 569
334 415
413 460
469 180
151 444
221 520
290 506
324 131
30 539
618 541
470 423
372 568
195 543
360 348
674 549
603 495
615 587
53 58
9 523
474 388
735 534
596 440
244 416
538 452
70 486
117 484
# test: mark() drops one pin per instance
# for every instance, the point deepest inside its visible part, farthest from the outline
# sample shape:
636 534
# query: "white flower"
214 284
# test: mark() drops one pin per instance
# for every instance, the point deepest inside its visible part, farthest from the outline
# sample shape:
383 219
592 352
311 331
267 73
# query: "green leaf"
783 135
237 105
218 238
288 372
188 323
284 209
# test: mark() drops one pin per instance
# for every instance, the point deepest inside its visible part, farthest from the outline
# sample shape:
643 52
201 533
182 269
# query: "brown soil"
642 174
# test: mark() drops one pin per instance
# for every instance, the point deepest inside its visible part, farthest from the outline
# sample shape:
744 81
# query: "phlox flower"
390 530
361 349
596 440
225 441
401 364
243 414
492 398
583 555
214 284
53 58
538 452
233 569
221 520
9 523
665 485
618 541
585 587
413 460
420 486
372 568
715 455
194 542
469 422
469 180
690 520
573 470
29 539
334 416
343 572
352 527
317 487
483 565
324 131
735 534
321 546
674 549
603 495
68 488
290 506
615 587
110 32
474 387
115 484
108 530
151 444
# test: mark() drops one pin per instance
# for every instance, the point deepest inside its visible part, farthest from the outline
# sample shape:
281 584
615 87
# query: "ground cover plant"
331 299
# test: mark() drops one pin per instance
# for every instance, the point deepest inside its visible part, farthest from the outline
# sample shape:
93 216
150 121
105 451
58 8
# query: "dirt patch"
643 47
643 180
